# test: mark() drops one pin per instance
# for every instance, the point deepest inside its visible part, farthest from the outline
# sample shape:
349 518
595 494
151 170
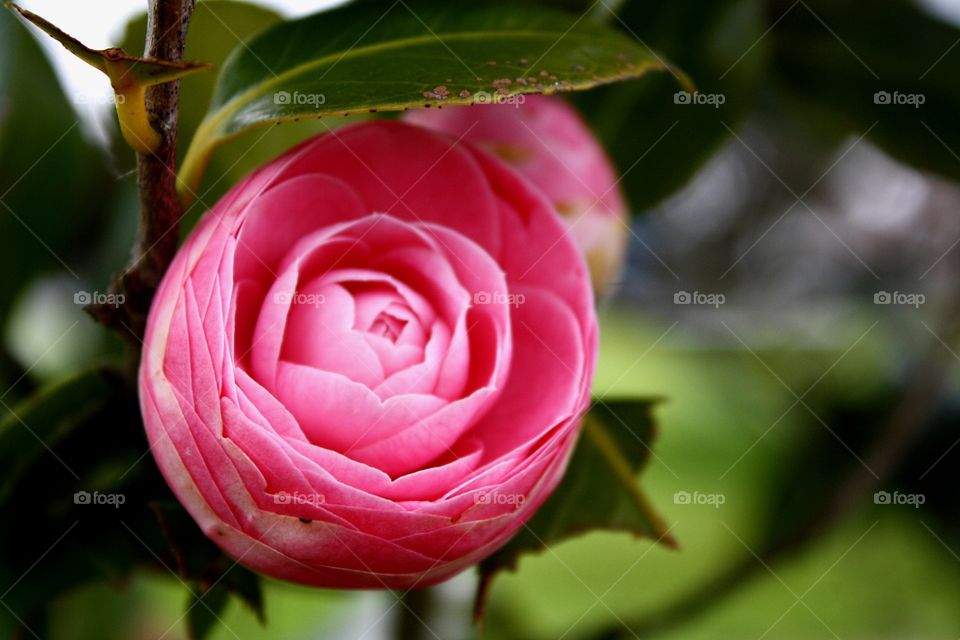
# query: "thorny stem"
160 210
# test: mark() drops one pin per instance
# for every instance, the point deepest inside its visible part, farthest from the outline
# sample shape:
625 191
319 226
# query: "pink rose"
545 139
366 366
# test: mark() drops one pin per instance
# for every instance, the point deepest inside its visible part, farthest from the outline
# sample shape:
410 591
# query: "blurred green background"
787 407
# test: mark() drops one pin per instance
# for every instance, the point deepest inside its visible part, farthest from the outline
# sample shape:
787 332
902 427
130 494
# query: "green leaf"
362 58
33 428
598 491
205 610
93 446
831 76
658 144
200 560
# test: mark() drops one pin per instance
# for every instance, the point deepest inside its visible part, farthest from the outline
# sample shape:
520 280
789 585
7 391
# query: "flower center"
387 326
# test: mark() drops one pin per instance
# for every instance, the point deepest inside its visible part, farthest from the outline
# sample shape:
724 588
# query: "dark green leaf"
102 449
598 491
656 143
33 428
833 74
362 58
198 559
205 610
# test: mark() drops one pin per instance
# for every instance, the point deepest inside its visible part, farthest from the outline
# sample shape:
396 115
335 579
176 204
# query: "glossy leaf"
364 57
657 139
891 72
598 491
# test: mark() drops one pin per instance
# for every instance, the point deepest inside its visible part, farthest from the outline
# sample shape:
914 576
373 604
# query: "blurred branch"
927 380
160 210
415 606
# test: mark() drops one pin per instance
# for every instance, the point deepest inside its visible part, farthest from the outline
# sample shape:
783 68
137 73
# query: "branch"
160 210
414 616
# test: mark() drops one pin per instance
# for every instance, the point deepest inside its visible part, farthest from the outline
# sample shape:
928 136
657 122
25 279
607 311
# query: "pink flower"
545 139
366 366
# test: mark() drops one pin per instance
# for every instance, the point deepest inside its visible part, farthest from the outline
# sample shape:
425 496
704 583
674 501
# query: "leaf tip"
669 541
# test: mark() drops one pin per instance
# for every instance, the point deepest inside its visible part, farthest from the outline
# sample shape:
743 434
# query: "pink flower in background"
546 140
367 365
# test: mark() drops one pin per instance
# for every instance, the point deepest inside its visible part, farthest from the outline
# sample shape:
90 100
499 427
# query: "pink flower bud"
367 365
